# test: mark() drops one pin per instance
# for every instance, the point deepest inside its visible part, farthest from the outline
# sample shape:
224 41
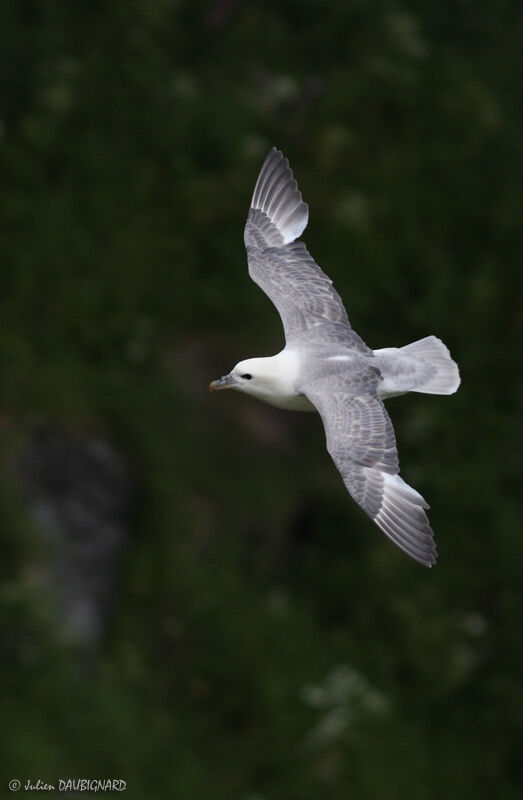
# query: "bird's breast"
295 402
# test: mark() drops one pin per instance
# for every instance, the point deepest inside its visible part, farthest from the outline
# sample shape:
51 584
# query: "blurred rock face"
79 495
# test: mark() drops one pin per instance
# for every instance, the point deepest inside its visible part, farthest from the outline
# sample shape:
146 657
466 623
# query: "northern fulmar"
326 367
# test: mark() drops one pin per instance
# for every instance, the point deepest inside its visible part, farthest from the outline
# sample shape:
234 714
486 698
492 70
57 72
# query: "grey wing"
303 295
361 442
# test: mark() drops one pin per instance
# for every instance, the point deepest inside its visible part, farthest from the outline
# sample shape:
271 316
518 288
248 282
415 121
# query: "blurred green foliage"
265 642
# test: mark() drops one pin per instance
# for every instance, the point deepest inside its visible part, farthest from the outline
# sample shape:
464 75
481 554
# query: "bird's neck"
276 382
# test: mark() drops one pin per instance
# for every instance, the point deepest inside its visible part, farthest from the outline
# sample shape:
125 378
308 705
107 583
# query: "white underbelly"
295 402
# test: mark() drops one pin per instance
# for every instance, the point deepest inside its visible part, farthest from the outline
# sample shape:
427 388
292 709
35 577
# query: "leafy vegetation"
264 641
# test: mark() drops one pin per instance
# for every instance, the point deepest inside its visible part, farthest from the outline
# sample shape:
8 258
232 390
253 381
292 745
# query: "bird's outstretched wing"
361 442
303 295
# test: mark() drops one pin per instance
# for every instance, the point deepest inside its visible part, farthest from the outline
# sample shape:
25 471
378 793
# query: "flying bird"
326 367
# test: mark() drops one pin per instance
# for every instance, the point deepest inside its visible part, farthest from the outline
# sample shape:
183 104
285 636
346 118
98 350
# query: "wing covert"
303 295
361 442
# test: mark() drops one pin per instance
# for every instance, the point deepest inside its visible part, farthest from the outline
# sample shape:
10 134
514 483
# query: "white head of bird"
270 379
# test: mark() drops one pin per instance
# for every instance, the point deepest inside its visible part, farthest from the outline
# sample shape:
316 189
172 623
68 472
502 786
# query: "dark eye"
247 376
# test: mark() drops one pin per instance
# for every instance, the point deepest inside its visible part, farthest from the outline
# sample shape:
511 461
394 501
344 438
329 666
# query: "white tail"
431 351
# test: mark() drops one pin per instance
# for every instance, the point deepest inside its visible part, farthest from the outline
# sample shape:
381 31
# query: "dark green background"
265 642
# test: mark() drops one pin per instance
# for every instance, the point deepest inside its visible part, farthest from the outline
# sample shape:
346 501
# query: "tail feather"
444 378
